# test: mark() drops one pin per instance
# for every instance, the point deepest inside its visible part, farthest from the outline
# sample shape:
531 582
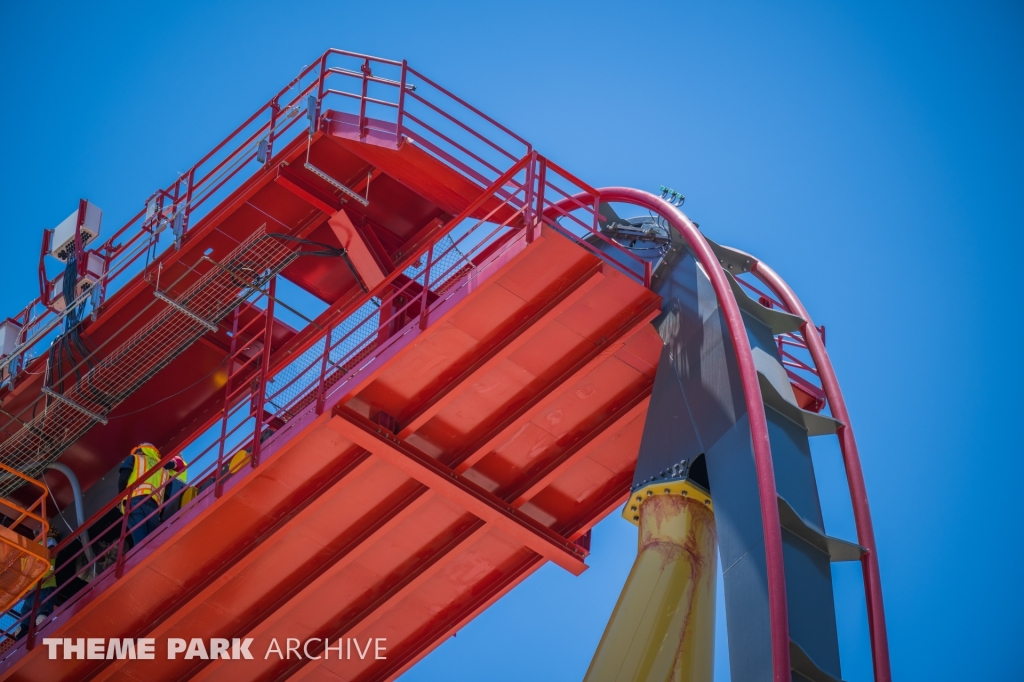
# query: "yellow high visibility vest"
152 486
50 579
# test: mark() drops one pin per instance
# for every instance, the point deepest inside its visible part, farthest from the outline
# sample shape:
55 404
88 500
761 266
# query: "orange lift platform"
466 404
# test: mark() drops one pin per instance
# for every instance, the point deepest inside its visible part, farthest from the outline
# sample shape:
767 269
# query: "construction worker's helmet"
146 450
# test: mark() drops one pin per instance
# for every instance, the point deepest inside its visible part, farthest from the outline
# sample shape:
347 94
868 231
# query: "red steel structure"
467 405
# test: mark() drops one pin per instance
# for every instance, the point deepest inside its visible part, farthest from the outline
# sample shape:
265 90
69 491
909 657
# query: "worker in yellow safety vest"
49 585
146 496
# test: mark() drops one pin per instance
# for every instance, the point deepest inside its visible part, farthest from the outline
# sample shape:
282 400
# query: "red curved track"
473 413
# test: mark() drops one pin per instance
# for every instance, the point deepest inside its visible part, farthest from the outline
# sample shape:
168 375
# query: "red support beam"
570 376
464 493
512 342
433 637
392 597
634 408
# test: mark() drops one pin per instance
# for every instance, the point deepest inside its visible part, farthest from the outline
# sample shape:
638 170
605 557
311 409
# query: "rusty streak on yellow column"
663 626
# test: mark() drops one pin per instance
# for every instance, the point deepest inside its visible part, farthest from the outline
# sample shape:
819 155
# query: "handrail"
851 459
194 187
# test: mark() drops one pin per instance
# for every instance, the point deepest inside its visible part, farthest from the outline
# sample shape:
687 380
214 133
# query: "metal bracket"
344 190
95 416
185 311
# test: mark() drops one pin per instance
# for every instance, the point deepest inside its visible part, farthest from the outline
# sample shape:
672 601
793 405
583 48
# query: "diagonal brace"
185 311
466 494
95 416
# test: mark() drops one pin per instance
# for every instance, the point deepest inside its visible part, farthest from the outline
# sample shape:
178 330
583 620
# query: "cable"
168 397
328 251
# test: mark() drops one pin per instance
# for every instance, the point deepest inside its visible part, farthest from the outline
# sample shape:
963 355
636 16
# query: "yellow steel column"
663 626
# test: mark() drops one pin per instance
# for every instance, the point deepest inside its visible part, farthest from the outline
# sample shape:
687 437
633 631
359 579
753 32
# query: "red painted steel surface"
328 540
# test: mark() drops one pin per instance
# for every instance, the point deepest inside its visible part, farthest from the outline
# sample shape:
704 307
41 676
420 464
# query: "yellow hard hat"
146 449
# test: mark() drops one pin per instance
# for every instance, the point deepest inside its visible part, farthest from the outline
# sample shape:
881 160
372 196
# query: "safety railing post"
275 111
218 485
119 562
542 181
401 104
424 319
320 91
365 68
321 386
261 387
30 638
528 206
188 201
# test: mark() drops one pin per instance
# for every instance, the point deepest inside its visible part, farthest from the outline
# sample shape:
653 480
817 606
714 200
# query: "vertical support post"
321 386
778 613
424 318
107 258
528 214
261 384
119 563
320 91
44 282
188 201
30 638
542 182
218 486
275 111
79 248
365 68
663 625
399 131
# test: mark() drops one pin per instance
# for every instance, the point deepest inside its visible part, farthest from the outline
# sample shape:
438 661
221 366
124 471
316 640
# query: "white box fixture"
9 332
93 273
62 246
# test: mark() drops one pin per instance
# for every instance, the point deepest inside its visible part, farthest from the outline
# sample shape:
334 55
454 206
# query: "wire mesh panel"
67 416
22 563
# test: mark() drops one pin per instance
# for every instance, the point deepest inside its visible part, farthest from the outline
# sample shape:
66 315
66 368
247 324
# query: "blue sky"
870 152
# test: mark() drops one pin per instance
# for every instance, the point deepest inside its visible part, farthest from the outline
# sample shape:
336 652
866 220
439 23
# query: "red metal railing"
385 110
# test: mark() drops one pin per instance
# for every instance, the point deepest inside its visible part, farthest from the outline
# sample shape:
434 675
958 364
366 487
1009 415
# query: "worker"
147 495
175 473
46 597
